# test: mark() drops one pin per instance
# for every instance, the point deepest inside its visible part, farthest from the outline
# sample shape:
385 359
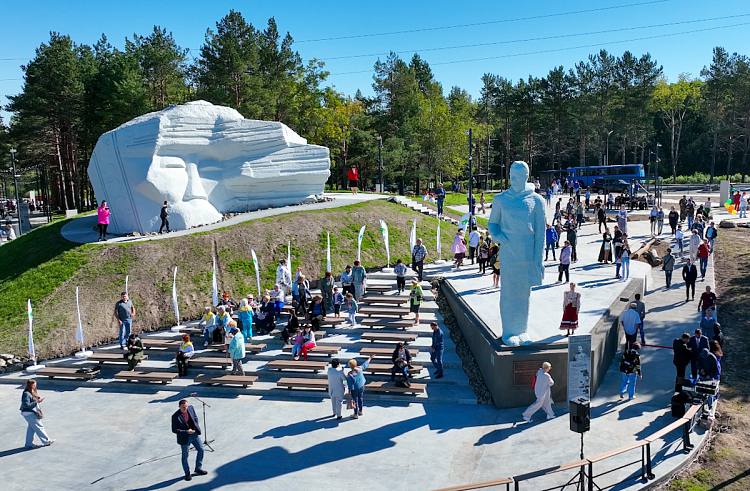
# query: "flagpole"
328 253
32 350
79 332
359 243
214 286
175 305
438 246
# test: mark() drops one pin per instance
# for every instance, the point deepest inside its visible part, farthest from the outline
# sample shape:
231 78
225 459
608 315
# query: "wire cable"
569 48
541 38
484 23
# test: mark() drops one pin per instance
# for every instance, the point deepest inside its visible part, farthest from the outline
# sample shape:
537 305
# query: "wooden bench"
380 288
389 322
331 321
385 368
303 383
378 386
383 299
192 330
160 344
383 310
103 357
321 349
249 347
404 337
141 376
505 481
210 361
315 366
384 352
68 372
227 380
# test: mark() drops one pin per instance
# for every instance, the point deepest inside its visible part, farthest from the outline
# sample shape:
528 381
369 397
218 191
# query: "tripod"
206 441
580 478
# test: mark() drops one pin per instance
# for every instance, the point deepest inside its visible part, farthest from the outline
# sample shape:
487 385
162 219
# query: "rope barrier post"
686 445
649 470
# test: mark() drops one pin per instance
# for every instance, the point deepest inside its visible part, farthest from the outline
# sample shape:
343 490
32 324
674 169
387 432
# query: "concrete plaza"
118 436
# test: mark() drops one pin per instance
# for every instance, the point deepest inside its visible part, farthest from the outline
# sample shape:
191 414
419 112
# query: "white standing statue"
204 160
517 224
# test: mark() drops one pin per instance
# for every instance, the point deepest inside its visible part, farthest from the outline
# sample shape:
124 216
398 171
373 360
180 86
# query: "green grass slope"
46 268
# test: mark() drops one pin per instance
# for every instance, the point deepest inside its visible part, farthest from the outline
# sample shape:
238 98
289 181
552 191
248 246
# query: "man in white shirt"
631 322
543 391
336 387
474 239
284 277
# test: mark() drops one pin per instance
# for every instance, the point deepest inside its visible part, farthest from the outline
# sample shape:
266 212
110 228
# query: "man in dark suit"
681 358
696 344
689 274
187 428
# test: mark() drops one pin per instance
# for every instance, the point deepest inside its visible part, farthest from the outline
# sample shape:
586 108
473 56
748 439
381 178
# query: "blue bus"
607 176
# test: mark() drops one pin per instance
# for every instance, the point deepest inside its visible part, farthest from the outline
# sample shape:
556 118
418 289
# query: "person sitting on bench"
298 340
309 341
184 352
317 312
401 358
133 351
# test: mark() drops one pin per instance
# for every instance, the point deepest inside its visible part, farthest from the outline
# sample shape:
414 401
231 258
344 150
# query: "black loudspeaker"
580 416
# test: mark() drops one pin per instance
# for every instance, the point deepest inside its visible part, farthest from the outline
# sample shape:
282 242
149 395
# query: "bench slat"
163 377
226 380
67 372
389 336
315 366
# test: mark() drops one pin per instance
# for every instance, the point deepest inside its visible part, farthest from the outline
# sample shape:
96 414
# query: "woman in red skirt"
571 307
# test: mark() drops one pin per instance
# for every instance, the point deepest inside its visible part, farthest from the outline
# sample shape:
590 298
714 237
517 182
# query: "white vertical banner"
289 256
32 351
257 272
214 286
79 329
384 231
359 243
438 248
174 297
413 236
579 368
126 284
329 268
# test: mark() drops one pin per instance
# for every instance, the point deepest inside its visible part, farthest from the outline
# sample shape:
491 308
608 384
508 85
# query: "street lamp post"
380 163
15 186
471 178
606 157
656 175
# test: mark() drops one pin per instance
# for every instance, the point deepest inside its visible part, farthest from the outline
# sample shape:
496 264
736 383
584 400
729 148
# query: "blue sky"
26 24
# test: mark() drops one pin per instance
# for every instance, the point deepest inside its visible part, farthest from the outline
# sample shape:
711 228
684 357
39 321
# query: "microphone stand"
206 441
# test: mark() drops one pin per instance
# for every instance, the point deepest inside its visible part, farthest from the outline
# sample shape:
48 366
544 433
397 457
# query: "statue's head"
519 174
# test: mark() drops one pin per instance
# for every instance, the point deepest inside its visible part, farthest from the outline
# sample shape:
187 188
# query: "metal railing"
585 478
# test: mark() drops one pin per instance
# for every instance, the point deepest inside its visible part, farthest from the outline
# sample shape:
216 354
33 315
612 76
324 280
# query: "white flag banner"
413 236
329 268
464 222
126 284
289 256
359 242
384 231
214 286
32 351
438 248
79 330
257 272
174 297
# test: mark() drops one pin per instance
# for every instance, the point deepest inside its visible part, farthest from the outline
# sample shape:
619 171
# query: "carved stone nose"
194 188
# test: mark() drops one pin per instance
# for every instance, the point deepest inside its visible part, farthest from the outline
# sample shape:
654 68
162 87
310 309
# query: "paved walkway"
82 230
119 437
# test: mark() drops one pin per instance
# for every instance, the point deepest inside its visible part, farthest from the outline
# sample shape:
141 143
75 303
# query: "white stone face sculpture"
204 160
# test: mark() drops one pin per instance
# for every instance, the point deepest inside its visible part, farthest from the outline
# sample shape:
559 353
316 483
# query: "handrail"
684 422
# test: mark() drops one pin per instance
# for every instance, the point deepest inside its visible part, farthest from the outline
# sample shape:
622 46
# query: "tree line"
604 109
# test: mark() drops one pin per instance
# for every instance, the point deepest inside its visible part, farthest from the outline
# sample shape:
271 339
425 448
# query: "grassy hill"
46 268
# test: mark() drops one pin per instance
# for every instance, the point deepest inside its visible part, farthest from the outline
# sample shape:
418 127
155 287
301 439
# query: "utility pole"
606 157
657 184
471 178
380 163
15 187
